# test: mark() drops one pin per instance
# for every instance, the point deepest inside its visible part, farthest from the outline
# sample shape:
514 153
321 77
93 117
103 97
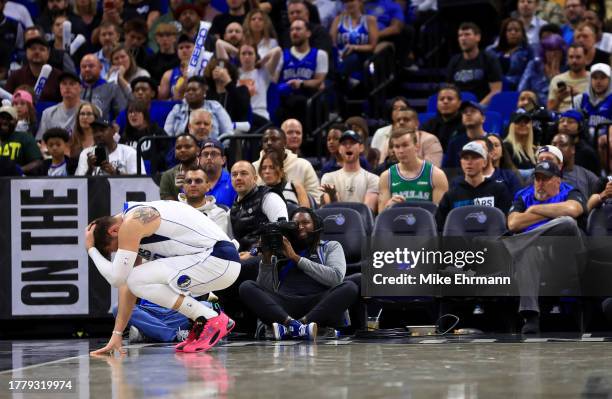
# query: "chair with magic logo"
346 226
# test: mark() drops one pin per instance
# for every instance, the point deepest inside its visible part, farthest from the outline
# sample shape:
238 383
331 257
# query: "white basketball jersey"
183 231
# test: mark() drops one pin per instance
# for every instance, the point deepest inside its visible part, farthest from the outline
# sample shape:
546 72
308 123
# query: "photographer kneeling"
304 287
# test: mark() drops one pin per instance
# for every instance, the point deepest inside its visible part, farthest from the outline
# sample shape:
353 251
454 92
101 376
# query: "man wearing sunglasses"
195 193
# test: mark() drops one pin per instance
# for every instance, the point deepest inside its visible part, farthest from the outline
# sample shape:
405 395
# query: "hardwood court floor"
485 367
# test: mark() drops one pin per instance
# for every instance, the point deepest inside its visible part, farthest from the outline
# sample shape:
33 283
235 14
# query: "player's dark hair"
102 239
56 133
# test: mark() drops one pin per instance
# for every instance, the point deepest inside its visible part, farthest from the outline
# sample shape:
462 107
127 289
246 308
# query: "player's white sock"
194 309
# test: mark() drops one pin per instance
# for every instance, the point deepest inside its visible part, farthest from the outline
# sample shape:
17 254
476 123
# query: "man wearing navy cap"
472 117
570 123
64 114
352 183
546 208
212 161
116 159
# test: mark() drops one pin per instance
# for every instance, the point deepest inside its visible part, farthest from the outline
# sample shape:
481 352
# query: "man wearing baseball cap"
472 117
570 123
475 188
562 152
18 147
106 157
352 183
545 208
212 161
37 55
64 114
596 102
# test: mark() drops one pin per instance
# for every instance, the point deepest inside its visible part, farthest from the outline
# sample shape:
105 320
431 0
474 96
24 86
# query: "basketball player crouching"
179 252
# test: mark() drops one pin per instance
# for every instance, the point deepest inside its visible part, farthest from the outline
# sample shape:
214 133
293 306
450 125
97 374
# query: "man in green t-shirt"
18 147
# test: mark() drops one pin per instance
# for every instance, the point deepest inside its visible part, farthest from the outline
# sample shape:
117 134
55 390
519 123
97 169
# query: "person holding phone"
564 86
106 157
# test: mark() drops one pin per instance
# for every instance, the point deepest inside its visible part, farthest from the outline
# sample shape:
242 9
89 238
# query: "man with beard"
18 147
186 153
474 70
565 86
545 208
37 55
212 161
120 159
189 16
296 169
107 96
195 194
302 70
574 14
351 183
305 289
254 206
109 37
596 102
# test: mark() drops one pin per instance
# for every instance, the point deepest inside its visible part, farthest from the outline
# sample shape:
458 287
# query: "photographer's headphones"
316 219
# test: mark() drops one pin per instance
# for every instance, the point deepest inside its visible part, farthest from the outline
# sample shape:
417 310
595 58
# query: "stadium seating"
504 103
600 222
475 220
428 206
345 226
364 211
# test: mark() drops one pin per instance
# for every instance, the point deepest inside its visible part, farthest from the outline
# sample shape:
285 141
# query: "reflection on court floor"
436 367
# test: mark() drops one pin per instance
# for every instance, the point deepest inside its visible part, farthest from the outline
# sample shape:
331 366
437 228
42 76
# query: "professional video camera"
271 236
543 123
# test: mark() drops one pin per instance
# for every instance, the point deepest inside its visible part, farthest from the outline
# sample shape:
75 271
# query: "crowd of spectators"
81 107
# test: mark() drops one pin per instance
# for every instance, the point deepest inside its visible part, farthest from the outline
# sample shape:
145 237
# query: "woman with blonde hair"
519 143
82 134
259 31
272 174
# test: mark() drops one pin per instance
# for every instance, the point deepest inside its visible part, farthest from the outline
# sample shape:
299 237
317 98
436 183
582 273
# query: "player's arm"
141 222
440 185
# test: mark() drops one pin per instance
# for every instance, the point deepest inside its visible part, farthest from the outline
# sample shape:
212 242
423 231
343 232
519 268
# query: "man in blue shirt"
548 208
391 24
212 161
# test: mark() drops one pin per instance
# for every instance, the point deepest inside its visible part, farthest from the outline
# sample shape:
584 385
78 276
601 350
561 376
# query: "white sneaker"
135 336
182 335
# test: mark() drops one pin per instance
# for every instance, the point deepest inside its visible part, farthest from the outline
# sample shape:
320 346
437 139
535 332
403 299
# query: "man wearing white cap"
563 152
596 102
475 189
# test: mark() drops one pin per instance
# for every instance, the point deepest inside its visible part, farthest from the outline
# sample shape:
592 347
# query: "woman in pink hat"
26 112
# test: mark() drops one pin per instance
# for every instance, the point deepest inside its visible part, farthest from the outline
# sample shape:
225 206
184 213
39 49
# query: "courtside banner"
45 270
49 267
